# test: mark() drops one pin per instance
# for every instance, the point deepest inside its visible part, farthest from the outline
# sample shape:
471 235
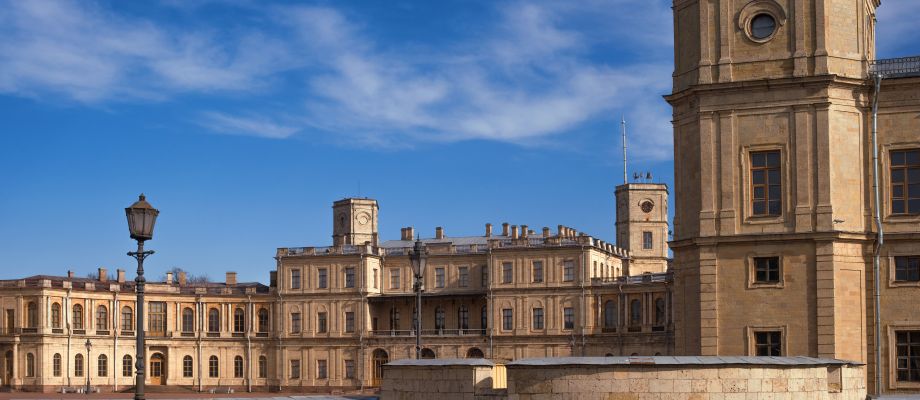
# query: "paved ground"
181 396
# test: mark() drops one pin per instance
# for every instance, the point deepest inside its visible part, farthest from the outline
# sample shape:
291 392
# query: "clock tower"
354 221
642 226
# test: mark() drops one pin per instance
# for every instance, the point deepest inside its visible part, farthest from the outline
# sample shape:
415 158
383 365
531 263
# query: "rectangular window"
349 322
907 269
766 270
538 271
538 319
439 277
485 277
766 183
296 325
507 272
157 325
768 343
321 371
349 369
349 277
322 280
56 365
187 367
905 181
568 271
375 278
568 318
908 355
507 319
321 322
295 278
394 278
464 276
295 369
647 240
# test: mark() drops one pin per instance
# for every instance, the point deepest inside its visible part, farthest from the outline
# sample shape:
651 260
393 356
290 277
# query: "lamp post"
89 363
141 217
419 258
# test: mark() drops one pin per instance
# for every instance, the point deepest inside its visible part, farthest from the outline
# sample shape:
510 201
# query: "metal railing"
428 332
902 67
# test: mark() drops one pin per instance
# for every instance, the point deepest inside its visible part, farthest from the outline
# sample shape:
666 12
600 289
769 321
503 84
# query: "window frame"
238 367
463 276
440 277
77 316
349 277
322 322
296 279
127 319
213 367
568 271
56 365
752 268
507 319
349 369
507 272
753 331
394 278
102 366
751 186
188 320
322 278
894 267
127 366
537 318
349 322
294 370
188 367
905 168
568 318
648 240
537 271
296 322
893 355
322 369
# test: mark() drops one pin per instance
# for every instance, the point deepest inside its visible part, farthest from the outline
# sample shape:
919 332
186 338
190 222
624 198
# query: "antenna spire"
625 176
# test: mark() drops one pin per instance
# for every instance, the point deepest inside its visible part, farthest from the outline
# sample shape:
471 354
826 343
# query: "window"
439 277
157 318
263 367
659 312
538 271
295 322
568 271
78 365
349 369
127 319
762 26
375 278
428 354
188 320
538 318
30 365
766 185
766 269
32 314
485 277
323 278
349 277
321 322
463 318
213 320
507 319
295 369
908 355
295 278
635 312
213 367
102 318
907 269
507 272
127 366
905 181
394 278
349 321
464 276
439 318
647 240
321 371
187 367
394 318
263 320
102 367
77 316
239 320
610 314
768 343
56 365
237 367
568 318
56 316
484 318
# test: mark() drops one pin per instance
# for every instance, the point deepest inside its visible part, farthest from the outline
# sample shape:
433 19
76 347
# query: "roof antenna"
623 122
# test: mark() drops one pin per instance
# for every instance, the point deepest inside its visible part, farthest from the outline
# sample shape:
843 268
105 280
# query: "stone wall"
442 379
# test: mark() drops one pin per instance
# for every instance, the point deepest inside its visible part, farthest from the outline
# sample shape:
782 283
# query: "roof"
81 282
455 240
679 360
441 362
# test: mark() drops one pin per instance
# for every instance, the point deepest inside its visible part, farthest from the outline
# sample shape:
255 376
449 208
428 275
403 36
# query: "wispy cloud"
251 126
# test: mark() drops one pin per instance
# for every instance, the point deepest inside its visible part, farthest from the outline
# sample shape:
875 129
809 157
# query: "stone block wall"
446 379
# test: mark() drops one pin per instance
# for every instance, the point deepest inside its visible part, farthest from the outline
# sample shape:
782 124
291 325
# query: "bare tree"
189 277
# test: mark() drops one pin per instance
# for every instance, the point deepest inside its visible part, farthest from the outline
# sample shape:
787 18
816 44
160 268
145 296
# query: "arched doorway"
474 352
8 368
428 353
380 357
157 370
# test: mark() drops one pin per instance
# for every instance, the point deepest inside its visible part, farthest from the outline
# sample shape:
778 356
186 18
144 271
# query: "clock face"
362 218
647 206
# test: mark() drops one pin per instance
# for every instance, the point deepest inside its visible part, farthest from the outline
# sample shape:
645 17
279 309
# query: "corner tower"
354 221
642 226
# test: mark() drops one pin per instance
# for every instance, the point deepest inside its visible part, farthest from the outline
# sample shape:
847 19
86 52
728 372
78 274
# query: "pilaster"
709 302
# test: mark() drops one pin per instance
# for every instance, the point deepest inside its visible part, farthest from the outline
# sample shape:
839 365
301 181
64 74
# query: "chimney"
439 233
546 231
70 274
404 234
183 278
561 230
488 230
514 231
169 278
102 273
524 231
504 229
410 233
231 278
121 275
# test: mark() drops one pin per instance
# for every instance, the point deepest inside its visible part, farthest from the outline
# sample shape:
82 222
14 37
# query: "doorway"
8 368
380 357
157 369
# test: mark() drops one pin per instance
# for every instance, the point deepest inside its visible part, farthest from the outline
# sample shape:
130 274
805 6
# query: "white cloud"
237 125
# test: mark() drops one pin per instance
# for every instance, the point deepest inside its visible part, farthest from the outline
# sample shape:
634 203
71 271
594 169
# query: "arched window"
659 312
127 319
103 366
439 318
237 367
239 320
102 318
78 365
188 320
428 353
56 316
30 365
56 364
32 314
127 365
484 318
635 312
463 317
263 367
474 352
394 319
187 367
213 320
77 316
610 314
213 367
263 320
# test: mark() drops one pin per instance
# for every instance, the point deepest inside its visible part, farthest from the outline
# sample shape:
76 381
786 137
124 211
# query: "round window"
762 26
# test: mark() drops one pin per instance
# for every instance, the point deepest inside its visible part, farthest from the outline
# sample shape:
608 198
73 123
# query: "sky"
242 121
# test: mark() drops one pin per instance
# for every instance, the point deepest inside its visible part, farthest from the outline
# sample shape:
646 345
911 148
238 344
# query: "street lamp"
89 363
141 217
419 258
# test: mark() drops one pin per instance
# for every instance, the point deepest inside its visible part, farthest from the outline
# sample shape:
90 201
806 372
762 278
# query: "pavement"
181 396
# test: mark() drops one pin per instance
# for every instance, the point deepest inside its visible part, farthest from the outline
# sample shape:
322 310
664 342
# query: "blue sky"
243 121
